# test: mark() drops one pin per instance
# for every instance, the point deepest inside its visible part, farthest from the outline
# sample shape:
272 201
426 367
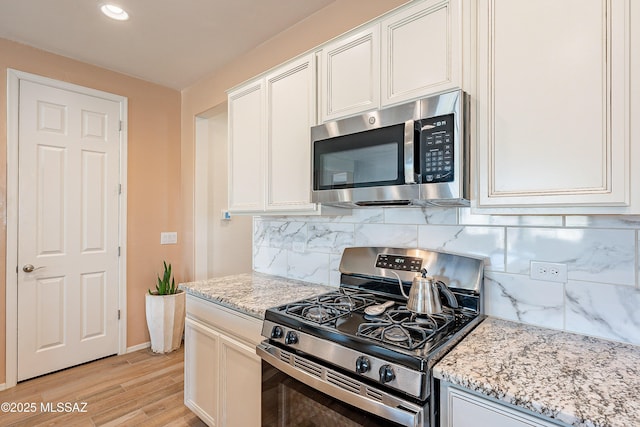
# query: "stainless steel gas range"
341 359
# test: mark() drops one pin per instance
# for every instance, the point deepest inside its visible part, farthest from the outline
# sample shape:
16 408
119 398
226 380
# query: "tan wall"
331 21
153 172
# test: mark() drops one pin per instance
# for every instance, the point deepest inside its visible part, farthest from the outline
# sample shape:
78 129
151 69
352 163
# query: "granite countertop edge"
252 293
569 378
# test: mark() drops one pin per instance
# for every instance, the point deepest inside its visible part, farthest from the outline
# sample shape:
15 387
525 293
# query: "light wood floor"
135 389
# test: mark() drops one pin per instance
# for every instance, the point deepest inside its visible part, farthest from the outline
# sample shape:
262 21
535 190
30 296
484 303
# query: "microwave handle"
409 168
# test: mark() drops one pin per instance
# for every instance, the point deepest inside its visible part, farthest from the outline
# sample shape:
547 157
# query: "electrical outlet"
168 238
548 271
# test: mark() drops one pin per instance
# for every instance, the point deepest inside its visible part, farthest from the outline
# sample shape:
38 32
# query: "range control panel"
399 262
436 148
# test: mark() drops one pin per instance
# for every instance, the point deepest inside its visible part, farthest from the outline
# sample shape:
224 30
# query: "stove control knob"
362 364
291 338
386 374
277 332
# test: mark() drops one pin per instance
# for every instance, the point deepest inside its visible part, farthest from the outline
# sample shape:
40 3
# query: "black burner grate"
330 306
403 328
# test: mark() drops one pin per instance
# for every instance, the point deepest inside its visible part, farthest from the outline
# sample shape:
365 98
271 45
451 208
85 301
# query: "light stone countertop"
252 293
575 379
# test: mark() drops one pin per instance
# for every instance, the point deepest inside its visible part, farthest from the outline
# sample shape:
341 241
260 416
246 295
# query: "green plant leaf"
166 284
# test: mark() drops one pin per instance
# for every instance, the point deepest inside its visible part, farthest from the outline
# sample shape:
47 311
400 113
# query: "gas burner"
320 314
352 302
434 321
327 307
395 333
404 328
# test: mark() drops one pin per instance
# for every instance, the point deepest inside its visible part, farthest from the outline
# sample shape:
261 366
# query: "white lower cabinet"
222 381
459 408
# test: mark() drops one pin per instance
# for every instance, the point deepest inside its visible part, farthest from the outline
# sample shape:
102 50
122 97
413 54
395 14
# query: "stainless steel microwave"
414 154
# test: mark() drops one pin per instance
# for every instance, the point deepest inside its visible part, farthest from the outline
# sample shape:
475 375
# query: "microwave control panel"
436 148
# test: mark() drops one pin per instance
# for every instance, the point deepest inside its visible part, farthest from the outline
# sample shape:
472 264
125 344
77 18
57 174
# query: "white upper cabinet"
270 142
290 94
410 53
246 145
421 52
553 105
350 77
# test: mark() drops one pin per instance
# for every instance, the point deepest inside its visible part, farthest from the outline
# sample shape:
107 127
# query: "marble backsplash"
600 298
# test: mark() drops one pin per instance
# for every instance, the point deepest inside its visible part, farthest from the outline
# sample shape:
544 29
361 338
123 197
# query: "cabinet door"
552 101
246 143
290 94
350 76
466 410
201 349
240 384
460 408
421 51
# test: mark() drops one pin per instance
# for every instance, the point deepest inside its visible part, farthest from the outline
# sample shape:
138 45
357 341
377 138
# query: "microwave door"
367 159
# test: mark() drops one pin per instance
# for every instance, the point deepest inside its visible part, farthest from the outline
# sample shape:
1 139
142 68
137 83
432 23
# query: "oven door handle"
342 387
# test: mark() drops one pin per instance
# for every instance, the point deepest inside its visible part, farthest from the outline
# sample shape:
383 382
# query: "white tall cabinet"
553 93
223 374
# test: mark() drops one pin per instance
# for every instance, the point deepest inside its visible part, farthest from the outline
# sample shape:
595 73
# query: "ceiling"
170 42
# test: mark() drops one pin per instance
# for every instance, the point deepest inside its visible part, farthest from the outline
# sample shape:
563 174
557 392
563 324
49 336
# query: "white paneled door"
67 228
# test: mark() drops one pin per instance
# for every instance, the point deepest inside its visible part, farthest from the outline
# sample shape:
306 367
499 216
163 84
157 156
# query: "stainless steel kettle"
424 295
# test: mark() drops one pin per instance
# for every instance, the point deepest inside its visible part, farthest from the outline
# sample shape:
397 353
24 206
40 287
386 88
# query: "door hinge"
120 126
118 250
118 314
119 188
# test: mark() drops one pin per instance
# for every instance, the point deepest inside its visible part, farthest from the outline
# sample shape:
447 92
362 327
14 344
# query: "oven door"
299 392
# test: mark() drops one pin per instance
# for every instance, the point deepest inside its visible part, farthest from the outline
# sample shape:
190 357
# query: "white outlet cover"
168 237
548 271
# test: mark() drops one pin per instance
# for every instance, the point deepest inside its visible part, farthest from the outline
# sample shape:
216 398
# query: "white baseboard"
3 386
139 347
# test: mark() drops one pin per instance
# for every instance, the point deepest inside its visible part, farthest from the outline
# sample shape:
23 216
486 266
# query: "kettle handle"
451 298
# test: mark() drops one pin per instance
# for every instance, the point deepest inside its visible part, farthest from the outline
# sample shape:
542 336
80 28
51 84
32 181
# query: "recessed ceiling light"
114 12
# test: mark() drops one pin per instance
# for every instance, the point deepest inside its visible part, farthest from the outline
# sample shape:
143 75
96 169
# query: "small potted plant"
165 309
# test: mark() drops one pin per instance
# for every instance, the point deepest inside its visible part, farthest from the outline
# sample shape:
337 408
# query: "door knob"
28 268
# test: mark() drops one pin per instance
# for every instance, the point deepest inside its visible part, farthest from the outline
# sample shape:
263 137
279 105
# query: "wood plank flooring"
135 389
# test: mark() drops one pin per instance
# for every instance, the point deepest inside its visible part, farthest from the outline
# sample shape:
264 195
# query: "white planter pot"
165 320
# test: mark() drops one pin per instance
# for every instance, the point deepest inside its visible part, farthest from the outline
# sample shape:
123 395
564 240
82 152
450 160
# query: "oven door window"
287 402
365 159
